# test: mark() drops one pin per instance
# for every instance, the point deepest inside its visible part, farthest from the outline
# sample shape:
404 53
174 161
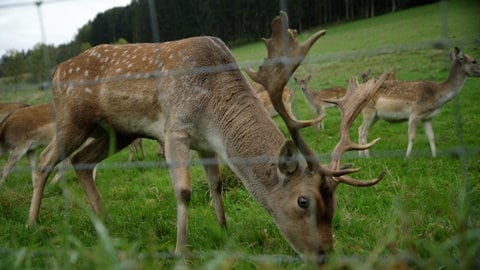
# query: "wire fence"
443 41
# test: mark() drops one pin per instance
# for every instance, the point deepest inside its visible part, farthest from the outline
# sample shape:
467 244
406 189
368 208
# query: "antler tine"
351 105
283 58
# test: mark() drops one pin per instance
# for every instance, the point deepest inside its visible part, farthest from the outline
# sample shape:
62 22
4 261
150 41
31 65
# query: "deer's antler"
350 105
285 54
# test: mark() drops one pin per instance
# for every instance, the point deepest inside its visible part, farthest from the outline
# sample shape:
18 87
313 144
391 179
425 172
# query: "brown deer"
287 98
316 99
24 131
417 101
191 94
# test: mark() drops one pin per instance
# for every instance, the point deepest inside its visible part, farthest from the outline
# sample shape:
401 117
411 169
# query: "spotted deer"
316 99
191 95
287 98
417 101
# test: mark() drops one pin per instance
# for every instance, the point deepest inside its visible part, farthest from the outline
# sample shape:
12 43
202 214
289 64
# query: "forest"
236 22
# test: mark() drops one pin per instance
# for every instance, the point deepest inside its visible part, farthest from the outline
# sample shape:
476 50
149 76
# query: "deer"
416 101
22 132
316 98
28 129
191 95
287 98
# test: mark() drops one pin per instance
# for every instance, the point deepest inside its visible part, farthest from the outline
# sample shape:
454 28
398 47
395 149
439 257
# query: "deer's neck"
453 84
250 143
310 95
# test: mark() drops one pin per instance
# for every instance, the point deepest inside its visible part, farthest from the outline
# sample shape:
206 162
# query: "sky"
21 27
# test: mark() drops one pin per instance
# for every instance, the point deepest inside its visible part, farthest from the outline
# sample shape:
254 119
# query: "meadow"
423 215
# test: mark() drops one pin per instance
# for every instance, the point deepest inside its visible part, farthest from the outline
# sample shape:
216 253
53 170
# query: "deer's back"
397 100
192 85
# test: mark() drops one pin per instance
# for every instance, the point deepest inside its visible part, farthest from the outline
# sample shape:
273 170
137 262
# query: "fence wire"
441 42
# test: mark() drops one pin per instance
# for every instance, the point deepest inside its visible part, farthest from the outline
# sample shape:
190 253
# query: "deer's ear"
288 162
459 55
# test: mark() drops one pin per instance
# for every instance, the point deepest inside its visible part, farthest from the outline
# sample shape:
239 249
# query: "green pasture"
424 214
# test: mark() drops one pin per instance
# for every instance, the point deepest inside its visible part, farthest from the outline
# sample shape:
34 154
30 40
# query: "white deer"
190 94
417 101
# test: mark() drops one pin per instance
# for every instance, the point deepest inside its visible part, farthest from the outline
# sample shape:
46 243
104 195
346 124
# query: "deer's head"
305 201
365 75
468 64
303 83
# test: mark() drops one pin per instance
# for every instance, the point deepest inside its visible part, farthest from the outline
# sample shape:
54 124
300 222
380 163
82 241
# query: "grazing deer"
191 94
417 101
24 131
316 98
287 98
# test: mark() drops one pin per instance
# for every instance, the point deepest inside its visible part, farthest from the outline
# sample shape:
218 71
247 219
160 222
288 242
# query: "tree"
14 66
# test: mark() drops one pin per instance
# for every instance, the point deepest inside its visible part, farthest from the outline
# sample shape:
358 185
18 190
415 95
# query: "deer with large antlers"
191 94
417 101
316 98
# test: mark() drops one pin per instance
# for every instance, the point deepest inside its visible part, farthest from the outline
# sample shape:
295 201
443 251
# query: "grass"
423 215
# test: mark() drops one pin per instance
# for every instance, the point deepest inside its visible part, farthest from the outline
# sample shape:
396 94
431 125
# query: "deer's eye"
303 202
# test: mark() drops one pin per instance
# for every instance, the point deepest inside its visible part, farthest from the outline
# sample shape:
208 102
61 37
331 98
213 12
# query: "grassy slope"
417 212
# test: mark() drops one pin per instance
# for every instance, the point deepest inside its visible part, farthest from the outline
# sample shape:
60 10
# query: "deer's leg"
427 125
32 161
140 145
412 131
369 118
134 146
131 152
13 158
161 150
84 163
212 172
62 145
177 155
320 113
62 167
